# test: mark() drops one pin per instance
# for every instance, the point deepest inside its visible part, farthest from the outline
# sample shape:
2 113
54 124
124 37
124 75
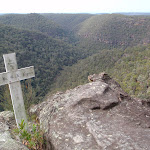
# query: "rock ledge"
95 116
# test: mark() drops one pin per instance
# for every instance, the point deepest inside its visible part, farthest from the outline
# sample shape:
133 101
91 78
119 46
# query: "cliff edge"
96 116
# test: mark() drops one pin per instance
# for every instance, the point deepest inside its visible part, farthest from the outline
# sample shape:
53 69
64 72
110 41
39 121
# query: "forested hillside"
78 74
114 31
34 22
105 31
46 54
68 21
129 67
133 72
66 48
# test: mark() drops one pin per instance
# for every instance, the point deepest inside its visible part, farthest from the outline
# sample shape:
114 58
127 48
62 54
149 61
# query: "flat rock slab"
95 116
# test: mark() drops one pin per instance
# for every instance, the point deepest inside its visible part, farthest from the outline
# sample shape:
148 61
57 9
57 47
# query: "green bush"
33 138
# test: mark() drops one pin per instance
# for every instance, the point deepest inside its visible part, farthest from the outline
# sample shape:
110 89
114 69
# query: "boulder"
96 116
7 122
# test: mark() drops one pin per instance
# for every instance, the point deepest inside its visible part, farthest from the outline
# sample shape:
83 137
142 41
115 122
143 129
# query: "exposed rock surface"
6 141
95 116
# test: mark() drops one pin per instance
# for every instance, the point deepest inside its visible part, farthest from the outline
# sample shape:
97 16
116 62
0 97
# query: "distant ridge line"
123 13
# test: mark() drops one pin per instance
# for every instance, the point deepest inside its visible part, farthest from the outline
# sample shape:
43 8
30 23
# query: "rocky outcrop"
95 116
7 122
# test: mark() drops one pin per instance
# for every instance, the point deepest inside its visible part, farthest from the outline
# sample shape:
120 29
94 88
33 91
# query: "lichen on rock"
7 142
96 116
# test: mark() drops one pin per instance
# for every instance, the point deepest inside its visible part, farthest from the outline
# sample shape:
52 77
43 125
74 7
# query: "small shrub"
33 139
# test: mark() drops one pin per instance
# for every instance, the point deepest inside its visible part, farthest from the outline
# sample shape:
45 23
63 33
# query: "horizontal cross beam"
14 76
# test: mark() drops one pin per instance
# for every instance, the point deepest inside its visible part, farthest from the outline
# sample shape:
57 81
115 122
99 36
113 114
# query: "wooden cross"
12 77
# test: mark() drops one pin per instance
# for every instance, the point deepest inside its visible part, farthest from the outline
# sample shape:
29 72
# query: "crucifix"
12 77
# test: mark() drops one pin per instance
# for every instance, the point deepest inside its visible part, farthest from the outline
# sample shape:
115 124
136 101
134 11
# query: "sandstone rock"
7 122
95 116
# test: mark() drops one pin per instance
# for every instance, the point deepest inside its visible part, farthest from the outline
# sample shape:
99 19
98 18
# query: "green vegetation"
66 48
114 31
46 54
67 21
133 72
129 67
32 139
34 22
77 74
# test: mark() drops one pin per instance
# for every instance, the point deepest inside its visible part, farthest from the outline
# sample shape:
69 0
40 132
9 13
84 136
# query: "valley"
66 48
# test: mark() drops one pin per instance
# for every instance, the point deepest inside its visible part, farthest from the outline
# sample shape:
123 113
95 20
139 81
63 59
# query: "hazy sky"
73 6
